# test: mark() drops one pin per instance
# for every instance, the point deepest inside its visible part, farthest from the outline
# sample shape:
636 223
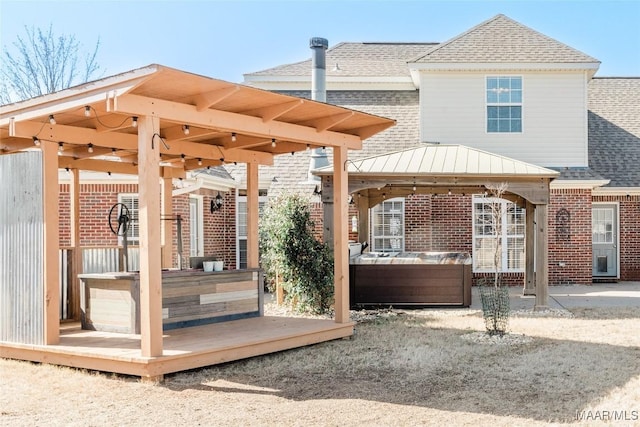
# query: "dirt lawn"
425 367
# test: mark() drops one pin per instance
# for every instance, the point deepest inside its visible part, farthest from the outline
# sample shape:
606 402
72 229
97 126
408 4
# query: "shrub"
289 250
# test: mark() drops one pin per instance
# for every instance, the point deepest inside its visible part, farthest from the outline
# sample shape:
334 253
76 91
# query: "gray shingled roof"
501 39
357 59
614 130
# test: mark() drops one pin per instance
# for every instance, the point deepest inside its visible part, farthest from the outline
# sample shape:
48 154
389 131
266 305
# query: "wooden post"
149 223
341 234
252 216
529 251
542 259
76 263
363 219
167 225
51 268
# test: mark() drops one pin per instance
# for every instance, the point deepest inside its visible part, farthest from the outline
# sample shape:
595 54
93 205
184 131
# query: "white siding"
453 111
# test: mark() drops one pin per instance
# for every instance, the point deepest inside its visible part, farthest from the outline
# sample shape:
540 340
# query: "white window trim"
487 104
504 261
262 199
200 225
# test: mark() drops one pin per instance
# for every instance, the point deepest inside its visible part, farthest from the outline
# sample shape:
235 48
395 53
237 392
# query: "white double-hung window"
504 104
387 220
130 200
498 225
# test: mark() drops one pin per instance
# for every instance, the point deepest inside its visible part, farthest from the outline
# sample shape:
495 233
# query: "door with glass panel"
604 224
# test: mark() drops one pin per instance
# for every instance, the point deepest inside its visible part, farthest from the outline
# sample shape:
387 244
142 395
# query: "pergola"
456 169
158 123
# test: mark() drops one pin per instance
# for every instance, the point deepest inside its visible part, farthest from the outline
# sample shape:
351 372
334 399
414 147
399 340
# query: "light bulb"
87 111
308 147
233 137
60 148
182 159
199 162
36 141
273 142
185 129
90 148
52 120
134 121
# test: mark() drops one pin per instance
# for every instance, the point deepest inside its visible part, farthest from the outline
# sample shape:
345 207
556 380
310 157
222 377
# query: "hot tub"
410 279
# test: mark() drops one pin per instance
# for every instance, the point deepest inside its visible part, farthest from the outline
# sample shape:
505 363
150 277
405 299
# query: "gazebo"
158 123
456 169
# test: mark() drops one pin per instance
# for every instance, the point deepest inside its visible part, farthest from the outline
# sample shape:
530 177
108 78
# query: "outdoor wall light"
216 203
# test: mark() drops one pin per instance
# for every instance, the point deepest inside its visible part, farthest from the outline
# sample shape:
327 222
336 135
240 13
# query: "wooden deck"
184 349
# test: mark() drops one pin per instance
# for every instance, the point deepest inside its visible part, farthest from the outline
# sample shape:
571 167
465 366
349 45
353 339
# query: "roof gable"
499 40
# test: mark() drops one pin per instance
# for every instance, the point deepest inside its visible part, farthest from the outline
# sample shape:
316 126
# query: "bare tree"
44 63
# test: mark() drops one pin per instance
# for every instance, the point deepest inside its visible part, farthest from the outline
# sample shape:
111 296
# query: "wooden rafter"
330 121
275 111
229 121
209 99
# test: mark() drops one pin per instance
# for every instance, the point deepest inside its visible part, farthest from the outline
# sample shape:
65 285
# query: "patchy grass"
400 368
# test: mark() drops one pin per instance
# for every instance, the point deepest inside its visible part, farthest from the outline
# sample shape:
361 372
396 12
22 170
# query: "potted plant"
494 294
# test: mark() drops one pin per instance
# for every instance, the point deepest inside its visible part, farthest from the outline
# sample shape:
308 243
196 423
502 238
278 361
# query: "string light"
90 148
185 129
182 159
273 142
87 111
134 121
36 141
60 148
199 162
233 137
52 120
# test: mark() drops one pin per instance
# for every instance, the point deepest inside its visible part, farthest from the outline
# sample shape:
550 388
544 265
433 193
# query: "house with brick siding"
506 89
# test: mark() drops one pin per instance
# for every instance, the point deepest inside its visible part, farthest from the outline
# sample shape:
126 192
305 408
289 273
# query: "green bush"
289 249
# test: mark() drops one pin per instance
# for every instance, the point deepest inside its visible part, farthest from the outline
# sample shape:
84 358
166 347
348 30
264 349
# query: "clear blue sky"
224 39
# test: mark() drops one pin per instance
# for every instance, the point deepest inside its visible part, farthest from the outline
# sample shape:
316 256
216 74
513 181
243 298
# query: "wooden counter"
111 301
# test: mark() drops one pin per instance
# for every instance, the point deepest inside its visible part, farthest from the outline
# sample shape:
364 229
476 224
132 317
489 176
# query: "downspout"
319 46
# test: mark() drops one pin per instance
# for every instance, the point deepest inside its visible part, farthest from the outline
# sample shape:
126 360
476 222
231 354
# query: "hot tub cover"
412 258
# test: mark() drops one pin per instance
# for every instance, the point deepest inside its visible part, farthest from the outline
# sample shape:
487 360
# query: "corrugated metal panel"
102 260
21 254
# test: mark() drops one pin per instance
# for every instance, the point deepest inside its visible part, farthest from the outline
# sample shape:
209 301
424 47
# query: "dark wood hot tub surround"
410 280
110 301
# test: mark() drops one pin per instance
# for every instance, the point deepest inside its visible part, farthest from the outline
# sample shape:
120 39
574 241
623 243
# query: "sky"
225 39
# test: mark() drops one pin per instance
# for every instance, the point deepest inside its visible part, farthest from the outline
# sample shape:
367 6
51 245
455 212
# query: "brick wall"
570 259
451 223
418 223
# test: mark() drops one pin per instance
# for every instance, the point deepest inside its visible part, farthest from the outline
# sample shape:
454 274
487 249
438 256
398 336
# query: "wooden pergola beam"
227 121
126 141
